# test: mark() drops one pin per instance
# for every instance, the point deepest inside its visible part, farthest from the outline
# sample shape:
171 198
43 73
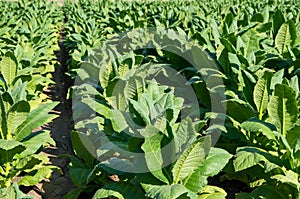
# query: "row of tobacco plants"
28 39
241 59
167 96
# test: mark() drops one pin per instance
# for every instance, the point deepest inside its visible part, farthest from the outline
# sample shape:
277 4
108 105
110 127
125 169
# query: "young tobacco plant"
20 145
191 158
271 130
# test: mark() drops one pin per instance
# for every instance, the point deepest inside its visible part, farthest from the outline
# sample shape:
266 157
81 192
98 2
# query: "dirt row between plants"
59 183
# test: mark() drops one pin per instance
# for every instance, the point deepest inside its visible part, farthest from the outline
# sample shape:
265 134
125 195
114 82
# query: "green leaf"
290 177
185 135
247 157
36 118
13 192
212 192
261 93
248 86
16 115
19 92
80 173
277 78
285 37
118 166
278 20
8 67
8 149
264 191
282 108
190 160
153 155
80 149
3 119
213 164
250 42
35 142
38 176
120 190
239 110
169 192
293 138
254 125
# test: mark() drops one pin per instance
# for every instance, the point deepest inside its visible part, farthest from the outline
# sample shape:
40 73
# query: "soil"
60 183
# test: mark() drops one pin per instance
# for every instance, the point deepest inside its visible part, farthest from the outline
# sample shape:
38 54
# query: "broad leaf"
282 108
120 190
247 157
190 160
254 125
239 110
8 149
16 115
36 118
169 192
8 67
185 135
285 37
154 157
291 178
213 164
261 93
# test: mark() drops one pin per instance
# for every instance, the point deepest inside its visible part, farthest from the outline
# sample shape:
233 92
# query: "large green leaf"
239 110
282 108
35 142
16 115
36 118
254 125
80 173
169 192
289 177
249 42
247 157
261 93
278 20
185 135
285 37
153 155
120 190
80 149
190 160
293 138
38 176
8 149
213 164
8 67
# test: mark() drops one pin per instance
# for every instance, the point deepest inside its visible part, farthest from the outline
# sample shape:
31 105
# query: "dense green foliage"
28 39
251 73
257 49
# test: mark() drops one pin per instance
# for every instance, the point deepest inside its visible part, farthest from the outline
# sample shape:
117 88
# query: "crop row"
28 40
121 55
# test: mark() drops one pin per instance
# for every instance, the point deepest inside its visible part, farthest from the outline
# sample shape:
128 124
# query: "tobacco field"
167 99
